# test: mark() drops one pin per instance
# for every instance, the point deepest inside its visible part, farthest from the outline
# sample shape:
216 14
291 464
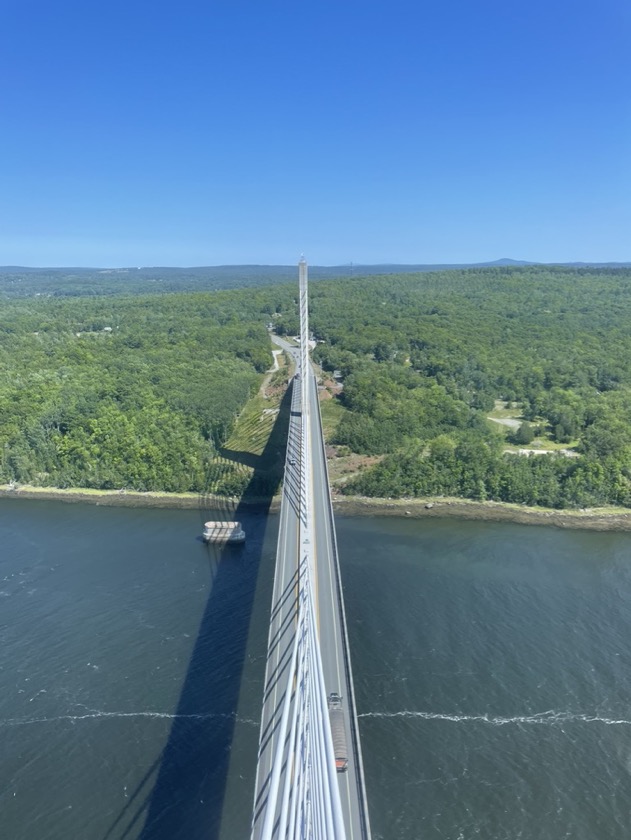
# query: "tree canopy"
424 357
139 391
118 392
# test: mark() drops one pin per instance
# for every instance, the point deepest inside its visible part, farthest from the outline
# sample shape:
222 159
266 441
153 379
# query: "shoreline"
130 498
595 519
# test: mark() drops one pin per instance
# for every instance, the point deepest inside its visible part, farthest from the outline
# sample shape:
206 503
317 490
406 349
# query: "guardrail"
302 799
355 740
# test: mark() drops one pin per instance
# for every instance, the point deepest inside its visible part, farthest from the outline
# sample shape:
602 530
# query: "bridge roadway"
329 613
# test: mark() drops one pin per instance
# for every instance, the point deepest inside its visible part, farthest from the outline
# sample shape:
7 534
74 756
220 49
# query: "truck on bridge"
338 732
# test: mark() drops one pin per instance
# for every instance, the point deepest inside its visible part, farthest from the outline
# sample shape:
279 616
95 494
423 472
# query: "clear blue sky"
242 131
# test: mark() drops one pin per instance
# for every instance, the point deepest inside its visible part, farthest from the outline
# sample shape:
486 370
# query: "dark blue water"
492 673
124 648
494 678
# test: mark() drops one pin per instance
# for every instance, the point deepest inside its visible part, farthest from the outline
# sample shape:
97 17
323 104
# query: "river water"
491 661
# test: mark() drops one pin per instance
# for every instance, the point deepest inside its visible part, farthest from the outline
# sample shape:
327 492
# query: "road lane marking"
325 501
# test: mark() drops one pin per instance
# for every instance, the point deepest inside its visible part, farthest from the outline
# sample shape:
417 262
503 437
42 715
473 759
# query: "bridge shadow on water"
181 796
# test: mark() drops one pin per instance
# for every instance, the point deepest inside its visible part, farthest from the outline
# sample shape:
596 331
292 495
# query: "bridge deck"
332 631
329 616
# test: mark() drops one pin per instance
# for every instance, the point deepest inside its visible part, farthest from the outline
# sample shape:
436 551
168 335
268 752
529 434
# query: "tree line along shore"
161 393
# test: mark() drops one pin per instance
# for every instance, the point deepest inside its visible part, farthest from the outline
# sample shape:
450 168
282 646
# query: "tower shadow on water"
181 797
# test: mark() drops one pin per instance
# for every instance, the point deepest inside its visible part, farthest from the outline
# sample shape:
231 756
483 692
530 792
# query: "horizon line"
504 261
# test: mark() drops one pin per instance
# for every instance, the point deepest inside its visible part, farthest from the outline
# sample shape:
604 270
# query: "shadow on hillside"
246 459
181 796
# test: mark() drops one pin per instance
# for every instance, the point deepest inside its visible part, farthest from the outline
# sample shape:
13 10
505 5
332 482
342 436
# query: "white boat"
223 532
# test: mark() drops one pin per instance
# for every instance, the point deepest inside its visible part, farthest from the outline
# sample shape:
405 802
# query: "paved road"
333 641
283 614
329 611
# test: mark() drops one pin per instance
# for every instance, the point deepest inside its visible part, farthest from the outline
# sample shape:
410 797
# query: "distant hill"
25 281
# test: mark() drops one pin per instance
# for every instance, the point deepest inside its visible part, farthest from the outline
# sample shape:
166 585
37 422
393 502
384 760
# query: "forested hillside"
19 282
78 282
140 391
125 392
423 359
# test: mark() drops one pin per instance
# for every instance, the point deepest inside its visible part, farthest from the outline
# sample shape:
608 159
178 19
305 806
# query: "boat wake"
549 718
96 714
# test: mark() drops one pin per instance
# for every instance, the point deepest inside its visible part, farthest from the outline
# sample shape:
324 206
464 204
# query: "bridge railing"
350 691
303 799
300 794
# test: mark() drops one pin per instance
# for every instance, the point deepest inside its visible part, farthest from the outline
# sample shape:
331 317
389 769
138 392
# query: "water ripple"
98 714
550 718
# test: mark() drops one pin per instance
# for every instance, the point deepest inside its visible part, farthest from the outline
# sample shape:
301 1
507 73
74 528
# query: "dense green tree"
524 435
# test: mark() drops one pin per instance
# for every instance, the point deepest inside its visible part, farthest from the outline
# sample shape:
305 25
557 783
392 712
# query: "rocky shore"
595 519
